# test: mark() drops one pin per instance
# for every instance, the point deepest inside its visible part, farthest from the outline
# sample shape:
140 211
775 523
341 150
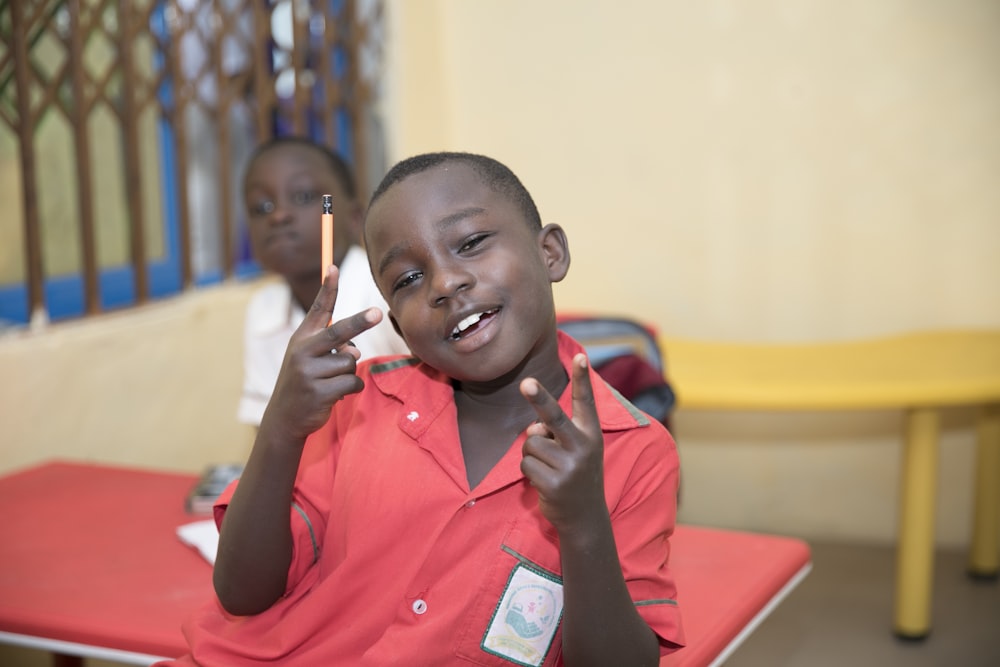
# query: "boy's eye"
406 280
304 197
261 208
473 242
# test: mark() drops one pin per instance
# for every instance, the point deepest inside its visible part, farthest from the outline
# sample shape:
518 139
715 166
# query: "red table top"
89 554
724 579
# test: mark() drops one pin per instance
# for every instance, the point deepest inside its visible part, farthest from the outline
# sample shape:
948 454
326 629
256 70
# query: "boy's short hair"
495 175
337 163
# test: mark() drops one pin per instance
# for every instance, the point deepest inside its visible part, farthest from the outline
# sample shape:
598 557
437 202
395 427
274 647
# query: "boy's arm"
564 460
601 625
255 542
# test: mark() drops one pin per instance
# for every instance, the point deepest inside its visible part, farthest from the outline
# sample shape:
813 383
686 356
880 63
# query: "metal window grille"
124 123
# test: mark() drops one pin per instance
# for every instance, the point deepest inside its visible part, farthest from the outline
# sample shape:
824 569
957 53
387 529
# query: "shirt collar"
425 391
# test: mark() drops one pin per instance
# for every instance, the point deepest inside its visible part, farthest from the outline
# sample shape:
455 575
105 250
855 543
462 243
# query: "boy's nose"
448 282
281 214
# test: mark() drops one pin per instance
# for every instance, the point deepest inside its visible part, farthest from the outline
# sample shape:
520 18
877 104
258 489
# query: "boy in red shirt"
488 501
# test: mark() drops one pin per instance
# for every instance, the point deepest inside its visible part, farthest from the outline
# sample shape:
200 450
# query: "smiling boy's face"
467 280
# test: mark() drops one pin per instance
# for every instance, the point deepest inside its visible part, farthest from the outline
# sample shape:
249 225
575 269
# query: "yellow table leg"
915 551
984 555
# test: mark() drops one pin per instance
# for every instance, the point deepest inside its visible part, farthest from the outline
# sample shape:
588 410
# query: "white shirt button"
419 607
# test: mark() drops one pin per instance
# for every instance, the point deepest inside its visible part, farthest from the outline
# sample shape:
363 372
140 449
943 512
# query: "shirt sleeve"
643 520
310 504
310 508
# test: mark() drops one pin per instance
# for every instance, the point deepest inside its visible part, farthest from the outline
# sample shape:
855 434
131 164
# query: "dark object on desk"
212 482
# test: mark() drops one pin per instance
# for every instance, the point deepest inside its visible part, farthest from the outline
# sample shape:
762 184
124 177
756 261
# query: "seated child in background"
490 501
283 188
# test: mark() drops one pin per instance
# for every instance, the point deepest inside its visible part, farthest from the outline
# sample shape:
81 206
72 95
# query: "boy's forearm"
255 544
600 623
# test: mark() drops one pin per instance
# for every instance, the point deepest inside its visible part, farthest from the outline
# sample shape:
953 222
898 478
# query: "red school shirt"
397 562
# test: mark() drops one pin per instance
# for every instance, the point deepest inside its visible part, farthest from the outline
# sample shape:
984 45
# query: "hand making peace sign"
563 458
312 379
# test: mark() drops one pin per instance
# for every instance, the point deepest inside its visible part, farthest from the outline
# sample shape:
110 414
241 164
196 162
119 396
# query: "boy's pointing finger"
340 333
585 419
321 309
547 408
584 407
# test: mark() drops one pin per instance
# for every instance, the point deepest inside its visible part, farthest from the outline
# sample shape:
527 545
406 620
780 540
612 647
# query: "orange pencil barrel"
327 236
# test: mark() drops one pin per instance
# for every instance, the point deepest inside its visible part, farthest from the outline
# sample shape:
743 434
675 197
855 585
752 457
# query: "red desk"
90 565
727 583
89 557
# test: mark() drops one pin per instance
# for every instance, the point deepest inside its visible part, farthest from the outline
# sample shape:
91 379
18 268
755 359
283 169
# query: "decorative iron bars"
128 122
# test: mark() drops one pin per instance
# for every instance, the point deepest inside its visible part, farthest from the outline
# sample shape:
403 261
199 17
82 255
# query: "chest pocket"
517 613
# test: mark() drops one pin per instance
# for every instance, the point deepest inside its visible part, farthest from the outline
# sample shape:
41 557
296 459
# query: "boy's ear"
555 251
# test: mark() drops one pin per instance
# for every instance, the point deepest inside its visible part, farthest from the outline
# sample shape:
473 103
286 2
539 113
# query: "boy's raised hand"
312 379
563 458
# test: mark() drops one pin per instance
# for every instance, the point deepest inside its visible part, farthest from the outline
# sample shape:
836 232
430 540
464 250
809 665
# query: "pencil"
327 236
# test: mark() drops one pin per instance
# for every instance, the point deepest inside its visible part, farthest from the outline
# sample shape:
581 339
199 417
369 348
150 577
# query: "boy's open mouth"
471 323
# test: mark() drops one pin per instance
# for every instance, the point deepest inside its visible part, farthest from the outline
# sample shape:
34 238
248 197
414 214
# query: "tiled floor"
841 615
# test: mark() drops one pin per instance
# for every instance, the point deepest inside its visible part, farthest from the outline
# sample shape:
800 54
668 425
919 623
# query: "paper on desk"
203 536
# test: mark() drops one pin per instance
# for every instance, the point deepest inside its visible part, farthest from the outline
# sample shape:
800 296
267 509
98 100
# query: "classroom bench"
918 373
90 566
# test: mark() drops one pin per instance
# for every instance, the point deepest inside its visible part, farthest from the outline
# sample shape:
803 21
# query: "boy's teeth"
466 323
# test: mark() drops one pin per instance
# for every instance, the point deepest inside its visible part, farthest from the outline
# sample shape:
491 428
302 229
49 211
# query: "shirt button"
419 607
471 503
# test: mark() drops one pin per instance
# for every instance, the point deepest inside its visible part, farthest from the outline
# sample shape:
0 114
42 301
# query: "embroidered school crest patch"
526 618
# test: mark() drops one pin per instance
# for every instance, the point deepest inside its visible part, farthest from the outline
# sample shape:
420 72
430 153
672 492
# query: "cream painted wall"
155 386
790 171
795 171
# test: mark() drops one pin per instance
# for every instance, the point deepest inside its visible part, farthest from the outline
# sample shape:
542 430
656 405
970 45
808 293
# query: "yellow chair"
919 373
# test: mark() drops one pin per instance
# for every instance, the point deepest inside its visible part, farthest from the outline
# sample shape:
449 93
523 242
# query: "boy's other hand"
563 458
319 365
